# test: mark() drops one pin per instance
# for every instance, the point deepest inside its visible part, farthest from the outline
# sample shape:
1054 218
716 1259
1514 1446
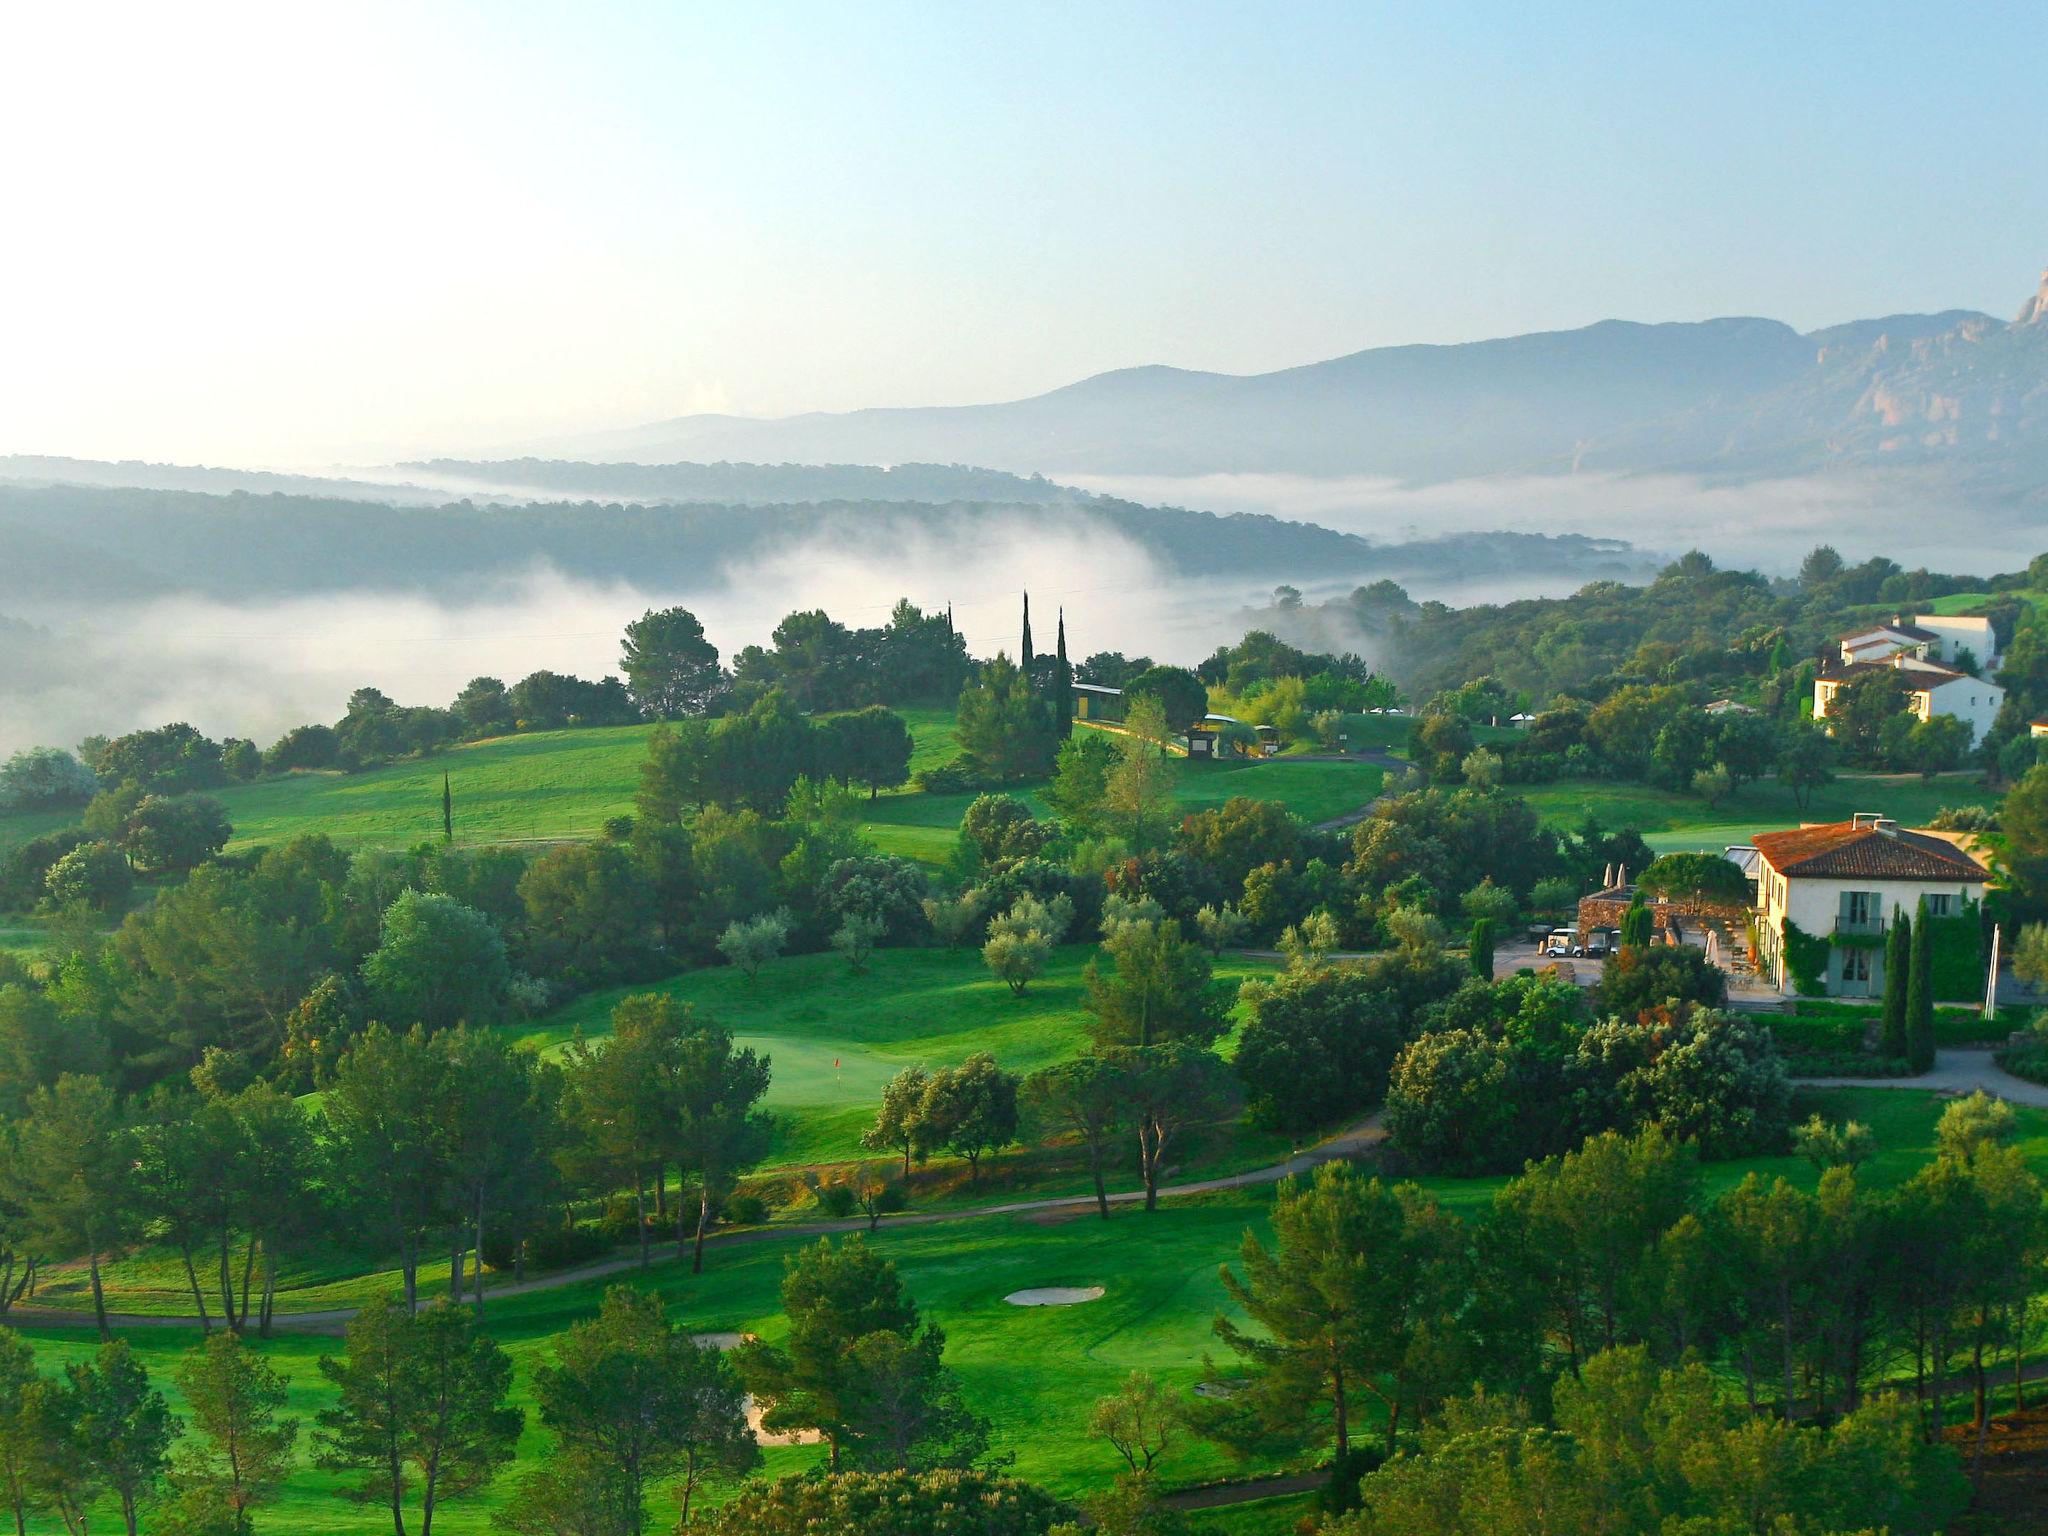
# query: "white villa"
1924 653
1935 637
1931 689
1842 881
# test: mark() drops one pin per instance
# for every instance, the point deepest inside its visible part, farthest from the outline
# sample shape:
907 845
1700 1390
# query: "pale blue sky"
262 237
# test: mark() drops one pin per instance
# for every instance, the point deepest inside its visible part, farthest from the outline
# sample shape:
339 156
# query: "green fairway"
1033 1371
552 786
836 1038
1670 820
1312 791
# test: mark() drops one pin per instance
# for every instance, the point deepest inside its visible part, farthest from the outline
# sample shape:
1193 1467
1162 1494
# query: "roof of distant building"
1890 627
1866 848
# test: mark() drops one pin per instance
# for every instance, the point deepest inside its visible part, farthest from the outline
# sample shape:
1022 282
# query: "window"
1940 906
1856 965
1858 907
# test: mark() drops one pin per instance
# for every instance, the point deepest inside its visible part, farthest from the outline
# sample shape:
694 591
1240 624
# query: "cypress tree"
1635 926
1480 950
1920 996
1024 645
447 809
1063 680
1898 962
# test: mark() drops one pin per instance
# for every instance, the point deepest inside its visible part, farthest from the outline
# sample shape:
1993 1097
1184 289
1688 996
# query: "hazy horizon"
259 237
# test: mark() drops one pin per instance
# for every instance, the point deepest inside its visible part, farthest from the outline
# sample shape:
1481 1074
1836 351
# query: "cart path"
1957 1071
1350 1142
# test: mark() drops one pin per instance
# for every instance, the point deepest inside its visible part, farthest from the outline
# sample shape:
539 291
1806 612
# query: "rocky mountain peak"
2035 308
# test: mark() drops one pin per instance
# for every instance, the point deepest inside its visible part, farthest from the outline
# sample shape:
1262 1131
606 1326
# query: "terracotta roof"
1862 851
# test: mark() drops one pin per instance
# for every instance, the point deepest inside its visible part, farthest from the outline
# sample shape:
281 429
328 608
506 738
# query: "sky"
282 235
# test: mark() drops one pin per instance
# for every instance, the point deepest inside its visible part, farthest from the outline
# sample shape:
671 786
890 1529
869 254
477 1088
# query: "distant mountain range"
1959 391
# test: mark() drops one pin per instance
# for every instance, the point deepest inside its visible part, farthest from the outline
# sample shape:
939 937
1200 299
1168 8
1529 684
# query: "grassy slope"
1034 1372
836 1038
1672 820
564 784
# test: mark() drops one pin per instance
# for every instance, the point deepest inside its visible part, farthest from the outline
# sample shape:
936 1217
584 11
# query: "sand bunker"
1219 1390
1055 1296
753 1409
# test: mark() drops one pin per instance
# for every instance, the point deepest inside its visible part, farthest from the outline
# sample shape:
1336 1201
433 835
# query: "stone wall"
1604 909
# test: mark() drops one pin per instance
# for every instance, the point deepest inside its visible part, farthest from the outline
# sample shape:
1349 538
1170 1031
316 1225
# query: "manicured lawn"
557 785
1033 1371
1671 820
1312 791
550 784
1261 1517
835 1038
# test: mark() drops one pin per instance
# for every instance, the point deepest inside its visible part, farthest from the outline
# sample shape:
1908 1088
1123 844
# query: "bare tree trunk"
248 1274
269 1310
99 1298
640 1205
191 1279
1101 1190
703 1222
227 1280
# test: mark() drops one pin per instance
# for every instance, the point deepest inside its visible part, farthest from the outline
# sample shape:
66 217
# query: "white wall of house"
1956 634
1818 906
1969 699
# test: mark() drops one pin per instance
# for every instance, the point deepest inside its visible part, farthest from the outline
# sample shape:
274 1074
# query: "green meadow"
1033 1371
1670 820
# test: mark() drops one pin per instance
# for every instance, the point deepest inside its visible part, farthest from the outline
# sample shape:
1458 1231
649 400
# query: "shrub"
938 1503
957 777
744 1210
837 1200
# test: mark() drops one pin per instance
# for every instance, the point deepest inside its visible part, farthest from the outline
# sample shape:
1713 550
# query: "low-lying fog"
1766 525
255 669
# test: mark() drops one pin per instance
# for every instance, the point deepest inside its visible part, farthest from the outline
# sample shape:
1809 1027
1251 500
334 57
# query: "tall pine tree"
1024 645
1898 966
1920 996
1063 681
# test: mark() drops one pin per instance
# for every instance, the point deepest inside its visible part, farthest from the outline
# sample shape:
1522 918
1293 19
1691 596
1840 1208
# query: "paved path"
1351 1142
1957 1072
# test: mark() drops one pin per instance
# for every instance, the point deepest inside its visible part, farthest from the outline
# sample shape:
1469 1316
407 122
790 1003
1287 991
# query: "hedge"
1958 945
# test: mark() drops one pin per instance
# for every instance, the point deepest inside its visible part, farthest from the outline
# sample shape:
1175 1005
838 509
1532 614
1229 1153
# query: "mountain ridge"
1733 395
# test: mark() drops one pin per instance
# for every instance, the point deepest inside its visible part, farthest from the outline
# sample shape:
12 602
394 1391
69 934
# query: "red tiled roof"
1861 851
